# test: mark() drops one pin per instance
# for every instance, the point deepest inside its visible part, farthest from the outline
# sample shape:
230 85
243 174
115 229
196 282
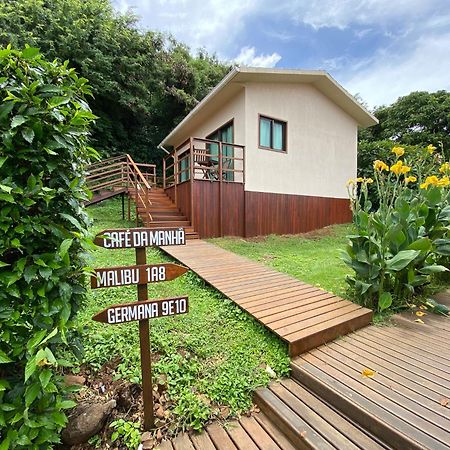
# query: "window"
272 134
223 134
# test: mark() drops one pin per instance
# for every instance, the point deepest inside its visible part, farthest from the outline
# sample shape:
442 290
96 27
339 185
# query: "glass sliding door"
224 134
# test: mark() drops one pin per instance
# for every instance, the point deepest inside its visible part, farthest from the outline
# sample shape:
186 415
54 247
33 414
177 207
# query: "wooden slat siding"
301 314
401 404
207 208
269 213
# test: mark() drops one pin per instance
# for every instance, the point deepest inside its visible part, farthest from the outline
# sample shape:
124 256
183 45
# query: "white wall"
321 142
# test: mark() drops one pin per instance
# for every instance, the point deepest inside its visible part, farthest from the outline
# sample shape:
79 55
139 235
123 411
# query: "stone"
160 413
148 445
146 436
85 421
71 380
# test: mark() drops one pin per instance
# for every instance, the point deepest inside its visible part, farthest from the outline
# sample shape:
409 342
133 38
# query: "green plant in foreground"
397 247
128 433
44 126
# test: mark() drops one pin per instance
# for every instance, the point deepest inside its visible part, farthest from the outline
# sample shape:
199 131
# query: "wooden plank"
425 432
202 441
297 430
326 331
280 439
358 405
182 442
165 445
345 308
347 428
239 436
417 375
262 439
409 360
406 399
220 438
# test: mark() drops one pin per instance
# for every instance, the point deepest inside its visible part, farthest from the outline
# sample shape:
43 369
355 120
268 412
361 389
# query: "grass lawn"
214 356
312 257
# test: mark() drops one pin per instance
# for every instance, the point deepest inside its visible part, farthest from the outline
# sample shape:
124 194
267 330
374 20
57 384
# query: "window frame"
273 120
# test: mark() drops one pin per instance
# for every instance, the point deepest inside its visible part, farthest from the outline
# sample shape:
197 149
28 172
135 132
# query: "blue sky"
379 49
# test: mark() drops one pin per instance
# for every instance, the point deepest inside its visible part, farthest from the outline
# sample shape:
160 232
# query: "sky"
378 49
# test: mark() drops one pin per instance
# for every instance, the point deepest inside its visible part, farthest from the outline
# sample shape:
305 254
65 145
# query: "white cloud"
248 57
210 24
342 13
389 74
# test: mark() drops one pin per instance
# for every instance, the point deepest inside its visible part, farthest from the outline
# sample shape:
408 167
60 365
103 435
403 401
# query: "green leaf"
2 160
64 247
401 260
423 244
385 301
4 359
31 393
30 53
30 368
428 270
36 339
28 135
17 120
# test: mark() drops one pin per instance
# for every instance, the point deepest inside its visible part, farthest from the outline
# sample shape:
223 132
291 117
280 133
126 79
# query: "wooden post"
128 190
146 362
191 177
220 191
123 205
175 174
164 173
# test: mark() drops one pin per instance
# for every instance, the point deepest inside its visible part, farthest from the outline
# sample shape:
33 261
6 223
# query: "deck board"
402 403
301 314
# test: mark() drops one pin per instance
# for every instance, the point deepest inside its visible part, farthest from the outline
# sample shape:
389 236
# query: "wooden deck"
406 403
301 314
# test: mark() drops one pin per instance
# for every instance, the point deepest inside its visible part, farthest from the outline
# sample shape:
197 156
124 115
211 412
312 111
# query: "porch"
205 179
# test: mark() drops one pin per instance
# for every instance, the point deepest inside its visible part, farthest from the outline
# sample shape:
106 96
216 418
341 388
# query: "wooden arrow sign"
131 275
147 309
140 237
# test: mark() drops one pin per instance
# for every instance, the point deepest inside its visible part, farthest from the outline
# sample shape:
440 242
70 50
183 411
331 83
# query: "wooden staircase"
161 212
154 209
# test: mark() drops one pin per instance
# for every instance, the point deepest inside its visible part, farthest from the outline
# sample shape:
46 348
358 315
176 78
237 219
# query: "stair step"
163 218
168 224
307 421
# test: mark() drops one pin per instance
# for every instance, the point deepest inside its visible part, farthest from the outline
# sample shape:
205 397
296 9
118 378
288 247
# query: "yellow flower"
399 151
405 169
380 166
369 373
369 180
399 168
444 181
431 148
411 179
350 182
359 180
445 168
433 180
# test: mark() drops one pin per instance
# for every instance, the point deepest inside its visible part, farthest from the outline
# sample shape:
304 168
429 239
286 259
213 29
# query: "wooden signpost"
140 275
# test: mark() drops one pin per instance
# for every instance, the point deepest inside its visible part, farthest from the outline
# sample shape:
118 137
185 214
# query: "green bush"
400 244
44 127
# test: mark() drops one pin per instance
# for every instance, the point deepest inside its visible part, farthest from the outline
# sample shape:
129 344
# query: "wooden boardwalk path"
301 314
328 403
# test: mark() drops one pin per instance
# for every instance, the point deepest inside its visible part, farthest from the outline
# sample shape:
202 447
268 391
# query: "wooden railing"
203 159
212 161
121 173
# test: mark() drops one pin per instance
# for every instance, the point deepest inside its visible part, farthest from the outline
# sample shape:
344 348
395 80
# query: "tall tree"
143 82
420 118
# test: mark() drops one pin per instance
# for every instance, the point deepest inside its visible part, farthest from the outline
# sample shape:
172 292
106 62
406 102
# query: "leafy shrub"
406 239
44 124
128 433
